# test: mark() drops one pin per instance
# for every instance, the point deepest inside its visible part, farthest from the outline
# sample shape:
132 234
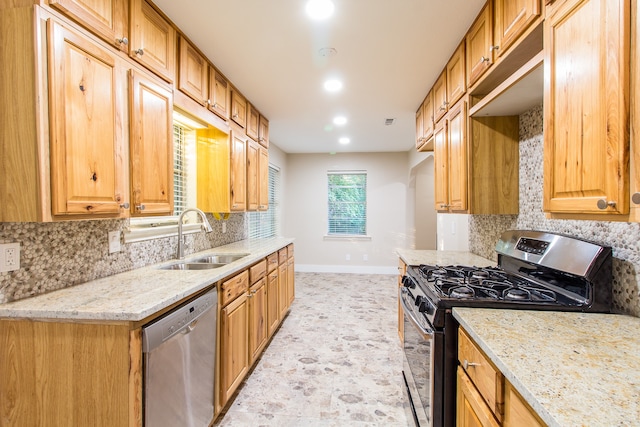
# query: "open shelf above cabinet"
515 95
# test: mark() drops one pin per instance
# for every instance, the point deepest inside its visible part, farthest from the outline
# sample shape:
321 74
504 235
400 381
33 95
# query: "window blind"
266 223
179 169
347 203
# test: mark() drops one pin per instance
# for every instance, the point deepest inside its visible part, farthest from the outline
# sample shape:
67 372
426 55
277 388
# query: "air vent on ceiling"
389 122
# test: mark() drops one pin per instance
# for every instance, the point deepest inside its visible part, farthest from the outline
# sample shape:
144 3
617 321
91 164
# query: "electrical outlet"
114 242
224 227
365 257
348 257
9 256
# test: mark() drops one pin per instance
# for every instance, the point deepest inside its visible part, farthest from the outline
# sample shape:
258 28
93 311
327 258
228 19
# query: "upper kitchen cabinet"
253 150
238 185
586 107
263 179
425 124
635 114
150 146
153 40
456 76
263 131
213 156
193 73
439 90
109 19
476 163
479 43
238 108
219 94
83 93
253 122
512 19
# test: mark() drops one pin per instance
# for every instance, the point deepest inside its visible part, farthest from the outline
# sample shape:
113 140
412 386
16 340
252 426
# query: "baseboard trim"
356 269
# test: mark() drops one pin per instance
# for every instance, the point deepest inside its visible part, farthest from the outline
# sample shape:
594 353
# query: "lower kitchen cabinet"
258 328
63 374
485 398
402 270
273 314
234 348
283 299
291 288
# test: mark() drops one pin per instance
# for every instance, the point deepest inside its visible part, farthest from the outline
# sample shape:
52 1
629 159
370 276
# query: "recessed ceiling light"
328 52
339 120
333 85
319 9
344 140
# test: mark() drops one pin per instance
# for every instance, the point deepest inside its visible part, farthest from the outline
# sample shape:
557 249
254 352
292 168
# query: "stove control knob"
407 282
424 306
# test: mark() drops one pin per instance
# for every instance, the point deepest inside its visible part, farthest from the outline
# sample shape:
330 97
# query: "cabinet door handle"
484 59
235 116
140 207
139 51
636 198
466 364
123 40
603 204
492 48
125 205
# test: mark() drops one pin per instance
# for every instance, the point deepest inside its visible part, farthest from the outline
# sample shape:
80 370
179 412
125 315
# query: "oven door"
422 355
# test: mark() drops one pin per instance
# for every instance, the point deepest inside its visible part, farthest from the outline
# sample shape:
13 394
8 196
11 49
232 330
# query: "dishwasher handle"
180 320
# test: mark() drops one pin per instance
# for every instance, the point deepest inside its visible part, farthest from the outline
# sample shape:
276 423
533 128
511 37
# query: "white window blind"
267 223
347 203
179 169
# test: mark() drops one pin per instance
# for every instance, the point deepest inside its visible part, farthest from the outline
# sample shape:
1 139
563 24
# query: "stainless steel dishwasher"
179 363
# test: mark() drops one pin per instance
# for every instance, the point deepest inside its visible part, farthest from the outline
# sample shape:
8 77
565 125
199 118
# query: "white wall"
425 213
305 212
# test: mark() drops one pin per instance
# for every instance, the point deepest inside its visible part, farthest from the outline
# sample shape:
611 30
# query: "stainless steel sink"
221 259
192 266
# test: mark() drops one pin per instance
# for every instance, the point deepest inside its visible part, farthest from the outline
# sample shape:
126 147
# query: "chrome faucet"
205 223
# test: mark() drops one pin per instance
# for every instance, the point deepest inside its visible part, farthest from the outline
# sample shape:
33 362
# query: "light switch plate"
114 242
9 256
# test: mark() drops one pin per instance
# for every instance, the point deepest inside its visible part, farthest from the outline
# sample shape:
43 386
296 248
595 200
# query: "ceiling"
389 53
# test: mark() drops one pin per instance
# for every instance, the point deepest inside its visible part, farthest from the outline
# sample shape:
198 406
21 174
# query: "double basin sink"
204 263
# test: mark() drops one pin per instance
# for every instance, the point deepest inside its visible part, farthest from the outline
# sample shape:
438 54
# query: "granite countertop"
432 257
137 294
574 369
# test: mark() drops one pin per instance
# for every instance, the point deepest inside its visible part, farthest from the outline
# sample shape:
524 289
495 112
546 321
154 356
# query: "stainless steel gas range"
536 271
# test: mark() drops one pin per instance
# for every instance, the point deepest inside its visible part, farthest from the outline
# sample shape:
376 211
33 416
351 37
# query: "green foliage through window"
347 203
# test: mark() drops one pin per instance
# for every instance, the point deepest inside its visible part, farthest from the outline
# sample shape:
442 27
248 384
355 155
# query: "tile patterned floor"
335 361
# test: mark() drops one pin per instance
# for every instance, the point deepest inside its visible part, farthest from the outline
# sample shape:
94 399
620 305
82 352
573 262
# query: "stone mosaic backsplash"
623 237
61 254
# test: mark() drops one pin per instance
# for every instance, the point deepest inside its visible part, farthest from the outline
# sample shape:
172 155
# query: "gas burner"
480 274
462 292
438 273
517 294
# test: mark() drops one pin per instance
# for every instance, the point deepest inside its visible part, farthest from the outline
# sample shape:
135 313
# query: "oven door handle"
427 333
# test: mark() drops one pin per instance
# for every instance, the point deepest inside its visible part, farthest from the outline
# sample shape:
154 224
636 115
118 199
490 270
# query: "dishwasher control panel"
177 321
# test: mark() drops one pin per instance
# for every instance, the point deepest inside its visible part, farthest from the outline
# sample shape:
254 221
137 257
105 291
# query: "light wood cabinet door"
86 146
512 18
238 182
517 412
273 313
635 113
440 96
109 19
263 179
456 75
153 40
253 122
283 299
419 126
471 409
479 43
586 105
263 132
291 286
425 124
193 75
402 270
234 350
213 160
219 94
258 328
253 184
238 108
457 153
150 147
441 169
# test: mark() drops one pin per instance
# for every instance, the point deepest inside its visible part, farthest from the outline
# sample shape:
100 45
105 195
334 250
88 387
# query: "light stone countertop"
432 257
574 369
137 294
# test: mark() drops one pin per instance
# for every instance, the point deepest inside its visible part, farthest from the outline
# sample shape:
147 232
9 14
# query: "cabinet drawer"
486 377
257 271
290 250
282 255
272 262
234 287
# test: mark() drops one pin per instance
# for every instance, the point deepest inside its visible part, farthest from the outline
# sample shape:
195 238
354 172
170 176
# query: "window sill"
348 237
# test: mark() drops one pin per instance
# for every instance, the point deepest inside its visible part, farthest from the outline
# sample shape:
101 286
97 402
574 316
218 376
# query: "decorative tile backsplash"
60 254
623 237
